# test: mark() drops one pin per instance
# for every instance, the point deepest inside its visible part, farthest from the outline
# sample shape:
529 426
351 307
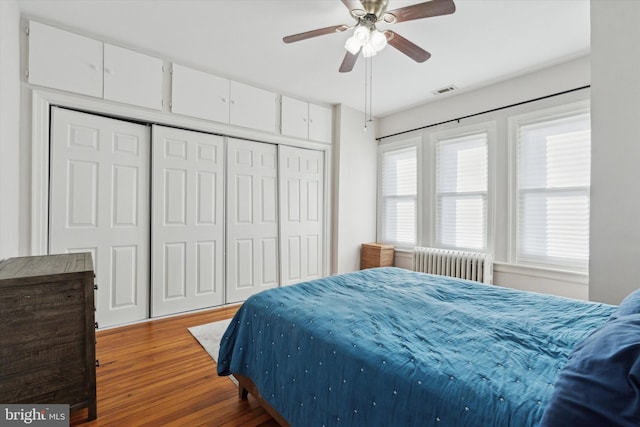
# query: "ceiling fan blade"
348 62
421 10
410 49
356 8
314 33
352 4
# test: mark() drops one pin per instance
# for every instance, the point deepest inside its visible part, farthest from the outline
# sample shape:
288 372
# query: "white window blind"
553 181
461 192
399 196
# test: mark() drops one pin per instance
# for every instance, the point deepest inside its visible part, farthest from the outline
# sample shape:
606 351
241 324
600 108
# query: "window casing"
552 184
399 194
462 191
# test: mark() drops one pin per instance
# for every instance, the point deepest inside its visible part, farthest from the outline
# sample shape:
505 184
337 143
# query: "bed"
392 347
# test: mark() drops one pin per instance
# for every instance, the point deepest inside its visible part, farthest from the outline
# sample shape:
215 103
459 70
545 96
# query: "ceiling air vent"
445 89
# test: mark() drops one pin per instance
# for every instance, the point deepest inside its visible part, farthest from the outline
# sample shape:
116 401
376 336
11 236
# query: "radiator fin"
453 263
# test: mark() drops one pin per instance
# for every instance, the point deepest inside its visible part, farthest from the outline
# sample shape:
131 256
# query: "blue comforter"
391 347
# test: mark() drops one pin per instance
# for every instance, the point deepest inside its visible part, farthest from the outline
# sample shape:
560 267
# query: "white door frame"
39 109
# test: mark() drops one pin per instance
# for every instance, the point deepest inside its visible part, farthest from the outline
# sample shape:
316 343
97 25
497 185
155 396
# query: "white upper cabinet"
63 60
252 107
301 119
198 94
206 96
320 127
132 77
295 118
67 61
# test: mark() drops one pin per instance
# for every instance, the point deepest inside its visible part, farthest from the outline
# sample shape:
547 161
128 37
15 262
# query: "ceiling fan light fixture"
378 40
362 35
352 45
368 50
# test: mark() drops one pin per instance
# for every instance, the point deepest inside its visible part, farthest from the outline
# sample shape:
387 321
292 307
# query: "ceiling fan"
368 39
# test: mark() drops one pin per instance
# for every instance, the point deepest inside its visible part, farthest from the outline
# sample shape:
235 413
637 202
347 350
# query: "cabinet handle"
95 286
94 67
96 325
108 71
233 102
224 100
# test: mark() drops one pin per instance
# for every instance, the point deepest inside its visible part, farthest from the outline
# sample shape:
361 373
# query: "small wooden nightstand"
376 255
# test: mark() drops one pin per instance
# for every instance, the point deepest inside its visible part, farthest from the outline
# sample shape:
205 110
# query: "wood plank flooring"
156 374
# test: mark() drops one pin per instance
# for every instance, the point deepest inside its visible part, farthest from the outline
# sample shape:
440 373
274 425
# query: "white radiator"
464 265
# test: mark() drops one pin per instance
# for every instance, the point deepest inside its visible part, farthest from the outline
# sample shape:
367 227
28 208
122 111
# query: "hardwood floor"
157 374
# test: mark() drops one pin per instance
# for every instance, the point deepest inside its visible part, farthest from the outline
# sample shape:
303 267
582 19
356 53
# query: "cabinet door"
63 60
99 195
198 94
187 223
252 107
252 218
320 128
301 174
295 118
132 77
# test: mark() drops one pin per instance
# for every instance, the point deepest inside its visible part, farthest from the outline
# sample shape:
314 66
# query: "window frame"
490 129
399 145
514 123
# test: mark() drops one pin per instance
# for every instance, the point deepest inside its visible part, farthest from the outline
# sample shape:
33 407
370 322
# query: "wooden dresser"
47 331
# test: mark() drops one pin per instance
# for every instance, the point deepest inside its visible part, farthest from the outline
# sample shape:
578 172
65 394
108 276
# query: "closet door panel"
187 221
301 175
99 202
252 218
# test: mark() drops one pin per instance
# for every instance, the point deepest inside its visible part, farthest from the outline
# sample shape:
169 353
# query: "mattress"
388 346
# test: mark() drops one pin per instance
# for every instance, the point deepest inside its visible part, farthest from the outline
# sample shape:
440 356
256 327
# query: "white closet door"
99 203
252 218
301 212
187 224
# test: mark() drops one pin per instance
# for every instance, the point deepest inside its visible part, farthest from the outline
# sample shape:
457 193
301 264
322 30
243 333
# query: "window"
399 195
553 158
461 192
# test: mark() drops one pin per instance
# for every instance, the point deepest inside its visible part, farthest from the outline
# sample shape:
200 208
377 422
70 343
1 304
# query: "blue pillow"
600 385
629 305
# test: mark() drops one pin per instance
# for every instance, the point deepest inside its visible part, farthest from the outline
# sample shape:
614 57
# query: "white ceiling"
484 41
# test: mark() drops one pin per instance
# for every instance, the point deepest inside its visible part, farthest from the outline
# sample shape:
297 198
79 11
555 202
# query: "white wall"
554 79
9 127
354 189
615 165
558 78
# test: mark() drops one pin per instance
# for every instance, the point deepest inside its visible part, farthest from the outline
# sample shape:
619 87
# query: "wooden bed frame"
246 386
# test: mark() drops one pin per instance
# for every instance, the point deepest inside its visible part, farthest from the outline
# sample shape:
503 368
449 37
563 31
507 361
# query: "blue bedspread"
391 347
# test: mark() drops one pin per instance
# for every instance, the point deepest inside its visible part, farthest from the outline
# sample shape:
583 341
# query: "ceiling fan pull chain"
366 91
